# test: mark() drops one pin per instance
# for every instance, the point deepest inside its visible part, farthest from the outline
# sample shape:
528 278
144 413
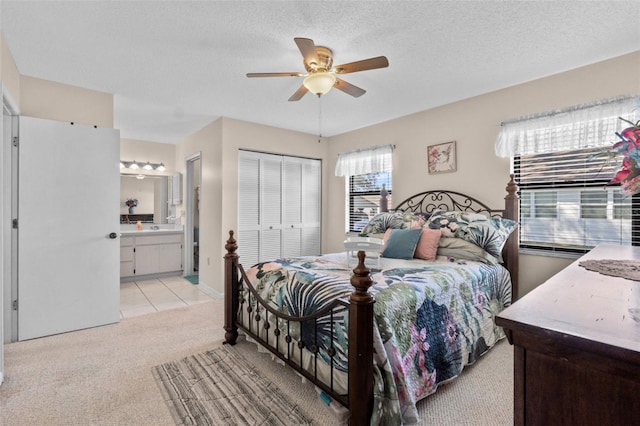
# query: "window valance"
362 161
577 127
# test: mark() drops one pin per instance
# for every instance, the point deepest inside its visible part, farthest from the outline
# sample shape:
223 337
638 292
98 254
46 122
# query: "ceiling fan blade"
275 74
364 65
349 88
308 49
298 94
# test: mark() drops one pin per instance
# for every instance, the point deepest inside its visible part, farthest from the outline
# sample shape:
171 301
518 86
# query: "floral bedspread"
431 318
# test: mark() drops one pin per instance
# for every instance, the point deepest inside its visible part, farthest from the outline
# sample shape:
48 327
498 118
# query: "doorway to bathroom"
192 224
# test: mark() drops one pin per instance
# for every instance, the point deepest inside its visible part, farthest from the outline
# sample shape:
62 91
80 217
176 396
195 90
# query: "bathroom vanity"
150 252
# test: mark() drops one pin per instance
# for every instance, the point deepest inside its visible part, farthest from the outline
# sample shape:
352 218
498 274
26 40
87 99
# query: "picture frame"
441 158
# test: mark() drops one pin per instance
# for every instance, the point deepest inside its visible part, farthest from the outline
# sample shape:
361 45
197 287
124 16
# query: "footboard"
316 360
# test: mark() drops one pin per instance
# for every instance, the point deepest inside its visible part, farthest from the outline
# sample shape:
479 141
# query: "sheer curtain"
362 161
577 127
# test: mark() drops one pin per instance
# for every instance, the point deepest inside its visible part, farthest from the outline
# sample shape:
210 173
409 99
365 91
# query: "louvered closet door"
278 207
292 230
301 207
271 207
311 203
248 209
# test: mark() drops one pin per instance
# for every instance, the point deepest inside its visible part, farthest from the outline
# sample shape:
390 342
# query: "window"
546 204
621 206
566 202
593 204
364 197
367 172
525 204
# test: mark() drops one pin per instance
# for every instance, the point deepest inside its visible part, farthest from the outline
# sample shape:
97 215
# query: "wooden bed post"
512 211
360 346
231 294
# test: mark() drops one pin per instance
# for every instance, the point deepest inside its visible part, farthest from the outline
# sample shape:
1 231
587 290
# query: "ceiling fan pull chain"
319 118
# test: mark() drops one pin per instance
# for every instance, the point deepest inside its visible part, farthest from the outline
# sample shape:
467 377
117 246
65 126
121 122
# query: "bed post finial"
231 291
360 345
512 246
231 245
361 280
512 186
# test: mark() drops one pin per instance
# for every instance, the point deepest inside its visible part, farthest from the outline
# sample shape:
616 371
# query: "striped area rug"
219 388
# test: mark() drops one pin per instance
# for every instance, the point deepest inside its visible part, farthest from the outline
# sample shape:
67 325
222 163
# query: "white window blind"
364 197
565 204
368 171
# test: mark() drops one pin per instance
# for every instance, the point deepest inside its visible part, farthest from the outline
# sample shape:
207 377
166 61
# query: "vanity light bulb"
160 167
134 165
148 166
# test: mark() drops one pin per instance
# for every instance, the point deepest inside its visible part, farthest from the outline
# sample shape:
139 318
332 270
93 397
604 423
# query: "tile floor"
158 294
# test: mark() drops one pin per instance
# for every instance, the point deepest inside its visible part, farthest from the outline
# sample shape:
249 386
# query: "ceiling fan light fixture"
319 83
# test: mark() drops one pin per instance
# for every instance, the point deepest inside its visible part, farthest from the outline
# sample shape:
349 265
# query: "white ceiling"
174 66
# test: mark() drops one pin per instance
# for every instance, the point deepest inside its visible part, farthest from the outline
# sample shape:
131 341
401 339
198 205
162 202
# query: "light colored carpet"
103 375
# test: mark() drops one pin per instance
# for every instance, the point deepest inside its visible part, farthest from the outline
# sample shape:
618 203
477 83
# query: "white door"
68 263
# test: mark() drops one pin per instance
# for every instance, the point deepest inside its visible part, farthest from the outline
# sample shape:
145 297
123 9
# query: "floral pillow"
460 249
394 220
489 233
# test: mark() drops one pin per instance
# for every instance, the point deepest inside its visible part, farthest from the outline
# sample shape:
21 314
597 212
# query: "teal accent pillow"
401 243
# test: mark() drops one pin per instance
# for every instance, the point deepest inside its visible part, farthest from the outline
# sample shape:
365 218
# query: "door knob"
113 235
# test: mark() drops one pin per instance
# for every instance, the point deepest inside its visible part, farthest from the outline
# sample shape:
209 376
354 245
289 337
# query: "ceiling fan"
321 76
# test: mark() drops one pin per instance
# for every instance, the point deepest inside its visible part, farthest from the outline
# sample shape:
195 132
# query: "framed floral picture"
441 158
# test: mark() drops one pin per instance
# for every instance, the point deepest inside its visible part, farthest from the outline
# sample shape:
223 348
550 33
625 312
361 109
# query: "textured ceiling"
174 66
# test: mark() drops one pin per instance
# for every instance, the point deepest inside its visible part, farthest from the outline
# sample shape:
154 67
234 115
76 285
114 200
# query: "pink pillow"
386 235
427 244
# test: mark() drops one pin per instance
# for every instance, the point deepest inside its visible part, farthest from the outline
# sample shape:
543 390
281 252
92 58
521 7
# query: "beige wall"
208 143
474 124
218 144
62 102
153 152
9 74
51 100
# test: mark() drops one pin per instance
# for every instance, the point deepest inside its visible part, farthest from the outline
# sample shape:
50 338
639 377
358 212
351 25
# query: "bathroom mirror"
151 195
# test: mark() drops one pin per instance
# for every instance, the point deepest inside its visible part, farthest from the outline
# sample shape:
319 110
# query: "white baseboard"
211 292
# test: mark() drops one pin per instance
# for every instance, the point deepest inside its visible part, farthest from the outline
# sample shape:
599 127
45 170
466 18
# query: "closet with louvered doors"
279 206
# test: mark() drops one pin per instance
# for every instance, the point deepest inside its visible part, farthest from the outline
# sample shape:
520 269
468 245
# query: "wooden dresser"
576 345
